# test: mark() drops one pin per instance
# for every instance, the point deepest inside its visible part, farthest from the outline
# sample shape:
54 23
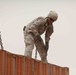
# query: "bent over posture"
32 34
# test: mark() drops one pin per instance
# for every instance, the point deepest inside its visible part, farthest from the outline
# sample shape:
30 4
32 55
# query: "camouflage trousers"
30 41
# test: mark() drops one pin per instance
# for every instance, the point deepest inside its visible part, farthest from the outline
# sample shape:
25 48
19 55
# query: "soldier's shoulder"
41 18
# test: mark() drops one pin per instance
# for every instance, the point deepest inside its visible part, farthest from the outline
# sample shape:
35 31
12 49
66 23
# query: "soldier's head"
52 16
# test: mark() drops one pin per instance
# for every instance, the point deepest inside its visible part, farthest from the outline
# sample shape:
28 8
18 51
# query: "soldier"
32 34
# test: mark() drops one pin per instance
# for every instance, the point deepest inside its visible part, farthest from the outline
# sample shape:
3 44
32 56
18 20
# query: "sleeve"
48 33
39 43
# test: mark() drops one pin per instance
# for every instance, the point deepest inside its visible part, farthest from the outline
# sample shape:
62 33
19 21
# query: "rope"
35 54
1 44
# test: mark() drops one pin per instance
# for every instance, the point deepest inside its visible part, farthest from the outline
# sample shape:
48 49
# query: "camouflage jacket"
38 27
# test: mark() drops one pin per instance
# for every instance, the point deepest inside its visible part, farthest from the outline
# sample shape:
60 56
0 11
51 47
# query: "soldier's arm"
48 33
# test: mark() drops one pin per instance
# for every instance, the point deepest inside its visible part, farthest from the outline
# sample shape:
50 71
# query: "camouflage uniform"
32 37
